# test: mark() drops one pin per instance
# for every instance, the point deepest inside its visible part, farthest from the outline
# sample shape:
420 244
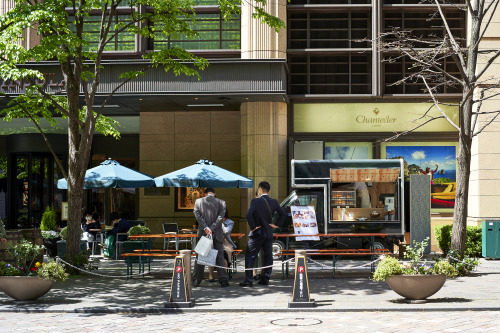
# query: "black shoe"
211 280
256 277
245 284
196 283
224 284
263 282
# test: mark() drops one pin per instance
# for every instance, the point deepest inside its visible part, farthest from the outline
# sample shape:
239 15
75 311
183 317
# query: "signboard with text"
304 222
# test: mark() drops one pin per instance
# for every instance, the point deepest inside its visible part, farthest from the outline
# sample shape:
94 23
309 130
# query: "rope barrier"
112 276
245 269
346 268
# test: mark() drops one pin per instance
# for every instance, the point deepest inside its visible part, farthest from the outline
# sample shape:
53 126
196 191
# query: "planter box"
61 247
25 288
416 287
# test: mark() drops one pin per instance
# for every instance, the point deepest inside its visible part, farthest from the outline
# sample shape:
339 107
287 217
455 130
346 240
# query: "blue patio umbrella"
111 174
203 174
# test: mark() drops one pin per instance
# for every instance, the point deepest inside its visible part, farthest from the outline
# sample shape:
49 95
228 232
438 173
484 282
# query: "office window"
214 33
425 25
347 73
402 67
327 30
123 41
329 2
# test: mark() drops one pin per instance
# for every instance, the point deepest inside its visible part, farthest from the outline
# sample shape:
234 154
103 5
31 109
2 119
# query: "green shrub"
473 240
52 271
444 267
139 230
443 237
49 219
63 233
463 265
386 268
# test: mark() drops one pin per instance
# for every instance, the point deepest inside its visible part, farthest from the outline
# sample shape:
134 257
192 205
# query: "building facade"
321 89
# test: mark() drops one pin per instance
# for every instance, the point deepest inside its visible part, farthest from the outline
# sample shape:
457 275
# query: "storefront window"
3 187
105 201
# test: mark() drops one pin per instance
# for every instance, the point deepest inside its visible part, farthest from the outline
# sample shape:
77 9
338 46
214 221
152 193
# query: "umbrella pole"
107 206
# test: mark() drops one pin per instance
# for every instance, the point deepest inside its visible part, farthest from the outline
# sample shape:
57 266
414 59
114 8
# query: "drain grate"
295 322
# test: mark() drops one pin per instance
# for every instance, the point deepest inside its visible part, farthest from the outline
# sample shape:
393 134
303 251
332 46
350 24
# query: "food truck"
348 196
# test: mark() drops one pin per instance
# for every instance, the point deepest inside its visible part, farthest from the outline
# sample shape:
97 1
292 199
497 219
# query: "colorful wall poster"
438 161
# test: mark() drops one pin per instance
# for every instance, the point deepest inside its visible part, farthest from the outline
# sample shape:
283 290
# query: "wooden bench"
335 253
145 257
138 253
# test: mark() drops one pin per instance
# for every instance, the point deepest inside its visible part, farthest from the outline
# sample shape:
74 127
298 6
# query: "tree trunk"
462 193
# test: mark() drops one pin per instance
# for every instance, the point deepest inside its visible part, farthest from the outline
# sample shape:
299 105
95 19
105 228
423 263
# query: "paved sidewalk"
351 290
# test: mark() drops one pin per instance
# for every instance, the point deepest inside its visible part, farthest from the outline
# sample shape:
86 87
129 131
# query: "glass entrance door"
33 187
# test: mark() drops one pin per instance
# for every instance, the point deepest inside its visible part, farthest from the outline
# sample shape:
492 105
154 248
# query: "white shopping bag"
209 259
205 244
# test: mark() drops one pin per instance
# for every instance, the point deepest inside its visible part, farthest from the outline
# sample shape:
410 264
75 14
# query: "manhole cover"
296 322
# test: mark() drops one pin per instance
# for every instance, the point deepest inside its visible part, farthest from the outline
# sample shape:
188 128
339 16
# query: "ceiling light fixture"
106 106
200 105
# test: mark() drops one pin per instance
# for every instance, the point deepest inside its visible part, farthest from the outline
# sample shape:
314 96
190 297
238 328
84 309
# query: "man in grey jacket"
209 212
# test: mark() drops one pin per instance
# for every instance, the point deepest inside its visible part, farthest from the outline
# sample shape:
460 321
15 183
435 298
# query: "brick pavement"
346 322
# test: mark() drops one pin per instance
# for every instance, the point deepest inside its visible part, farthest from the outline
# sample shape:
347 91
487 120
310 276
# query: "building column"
264 148
484 183
258 40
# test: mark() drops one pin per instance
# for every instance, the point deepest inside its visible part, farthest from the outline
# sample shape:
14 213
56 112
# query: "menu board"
304 222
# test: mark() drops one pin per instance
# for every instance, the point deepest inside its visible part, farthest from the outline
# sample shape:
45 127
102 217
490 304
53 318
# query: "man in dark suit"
209 212
260 219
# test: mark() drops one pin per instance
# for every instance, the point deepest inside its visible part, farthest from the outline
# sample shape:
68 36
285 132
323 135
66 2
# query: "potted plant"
61 244
49 234
139 230
131 245
28 280
414 279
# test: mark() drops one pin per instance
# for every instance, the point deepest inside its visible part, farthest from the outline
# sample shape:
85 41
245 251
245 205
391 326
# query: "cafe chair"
119 244
172 228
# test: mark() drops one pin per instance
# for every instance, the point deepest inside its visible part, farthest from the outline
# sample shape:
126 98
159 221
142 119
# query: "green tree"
63 27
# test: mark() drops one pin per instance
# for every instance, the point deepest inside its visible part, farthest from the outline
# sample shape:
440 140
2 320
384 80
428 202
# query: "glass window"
348 150
3 187
213 33
122 41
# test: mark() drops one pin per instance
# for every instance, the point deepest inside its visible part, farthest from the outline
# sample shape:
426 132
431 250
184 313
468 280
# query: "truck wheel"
379 244
278 246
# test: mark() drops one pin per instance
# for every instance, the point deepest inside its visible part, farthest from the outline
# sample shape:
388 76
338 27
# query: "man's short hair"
265 186
114 216
209 189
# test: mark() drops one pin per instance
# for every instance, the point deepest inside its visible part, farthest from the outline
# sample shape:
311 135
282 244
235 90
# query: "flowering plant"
26 254
389 266
51 234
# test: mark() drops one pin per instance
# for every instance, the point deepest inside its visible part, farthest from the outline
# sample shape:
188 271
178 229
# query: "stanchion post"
179 293
186 254
300 296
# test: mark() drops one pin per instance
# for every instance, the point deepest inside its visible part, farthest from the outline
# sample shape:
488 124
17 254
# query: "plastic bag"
209 259
204 245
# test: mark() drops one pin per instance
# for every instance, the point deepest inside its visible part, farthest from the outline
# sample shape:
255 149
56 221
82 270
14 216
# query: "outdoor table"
369 235
177 236
101 233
